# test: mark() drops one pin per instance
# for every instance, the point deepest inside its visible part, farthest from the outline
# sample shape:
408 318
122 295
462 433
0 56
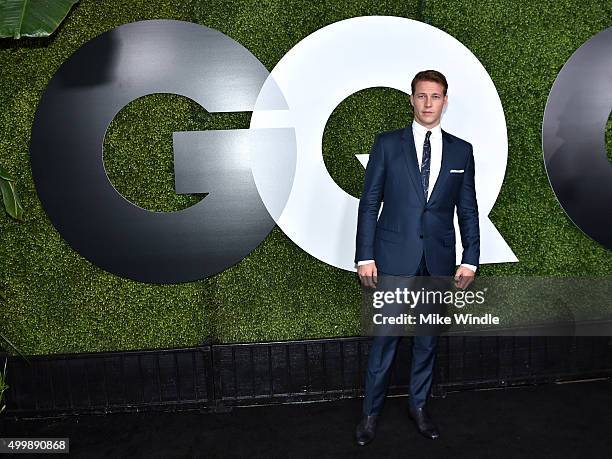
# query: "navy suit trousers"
382 354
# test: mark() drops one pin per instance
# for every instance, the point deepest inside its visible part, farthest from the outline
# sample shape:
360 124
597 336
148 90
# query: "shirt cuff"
470 267
364 262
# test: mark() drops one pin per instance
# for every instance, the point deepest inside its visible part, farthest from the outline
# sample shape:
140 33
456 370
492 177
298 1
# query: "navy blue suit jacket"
408 225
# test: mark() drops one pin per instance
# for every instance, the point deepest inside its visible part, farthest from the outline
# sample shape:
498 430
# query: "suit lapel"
410 156
444 168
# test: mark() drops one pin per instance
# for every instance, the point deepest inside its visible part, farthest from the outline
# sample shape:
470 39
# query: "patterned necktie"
425 162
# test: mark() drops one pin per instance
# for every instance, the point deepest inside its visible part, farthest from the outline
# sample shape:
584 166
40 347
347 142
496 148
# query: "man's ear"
411 101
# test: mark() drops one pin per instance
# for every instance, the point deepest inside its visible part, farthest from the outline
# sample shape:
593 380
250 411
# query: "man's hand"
368 275
463 277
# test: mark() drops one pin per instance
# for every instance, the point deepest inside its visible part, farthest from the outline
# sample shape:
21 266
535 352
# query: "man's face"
428 101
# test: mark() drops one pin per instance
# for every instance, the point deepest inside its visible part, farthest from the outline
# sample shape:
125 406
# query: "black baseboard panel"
219 376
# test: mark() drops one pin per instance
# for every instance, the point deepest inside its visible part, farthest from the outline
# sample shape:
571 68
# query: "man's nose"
428 101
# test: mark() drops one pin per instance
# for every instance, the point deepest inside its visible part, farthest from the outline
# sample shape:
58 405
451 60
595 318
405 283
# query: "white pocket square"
456 171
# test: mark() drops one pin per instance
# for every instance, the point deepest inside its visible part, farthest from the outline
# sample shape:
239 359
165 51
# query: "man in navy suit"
422 174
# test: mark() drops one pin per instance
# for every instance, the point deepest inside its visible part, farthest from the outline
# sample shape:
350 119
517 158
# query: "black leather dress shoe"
424 423
366 430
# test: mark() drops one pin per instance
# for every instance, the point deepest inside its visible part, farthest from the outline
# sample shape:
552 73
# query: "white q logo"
339 60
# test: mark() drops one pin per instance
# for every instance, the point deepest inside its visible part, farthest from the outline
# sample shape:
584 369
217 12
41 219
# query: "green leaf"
3 386
12 204
5 175
6 340
32 18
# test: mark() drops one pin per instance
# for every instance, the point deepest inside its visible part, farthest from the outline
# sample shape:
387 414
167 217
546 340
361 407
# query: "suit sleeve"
467 215
369 204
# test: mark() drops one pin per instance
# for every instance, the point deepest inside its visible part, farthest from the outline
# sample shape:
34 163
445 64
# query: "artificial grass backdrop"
59 302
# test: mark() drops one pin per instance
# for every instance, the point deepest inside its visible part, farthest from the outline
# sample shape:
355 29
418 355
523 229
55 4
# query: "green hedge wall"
59 302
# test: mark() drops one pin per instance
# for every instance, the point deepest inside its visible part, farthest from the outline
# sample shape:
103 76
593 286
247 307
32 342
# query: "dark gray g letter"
84 96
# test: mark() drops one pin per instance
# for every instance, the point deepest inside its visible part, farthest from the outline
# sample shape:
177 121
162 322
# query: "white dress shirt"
435 139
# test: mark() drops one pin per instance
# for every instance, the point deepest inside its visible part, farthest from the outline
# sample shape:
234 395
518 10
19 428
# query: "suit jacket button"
420 236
